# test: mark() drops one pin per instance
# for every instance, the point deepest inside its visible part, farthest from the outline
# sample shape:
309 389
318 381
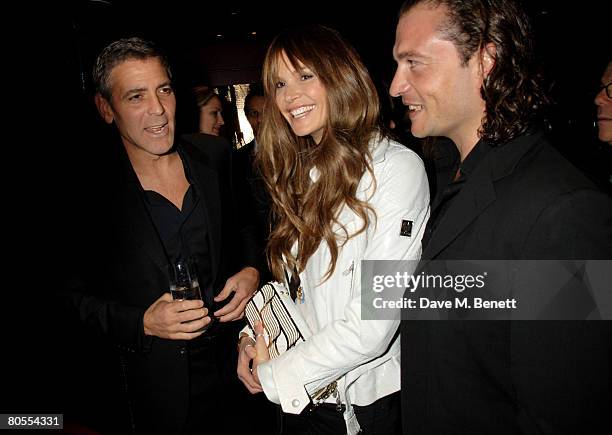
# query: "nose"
399 85
291 93
220 120
156 107
602 98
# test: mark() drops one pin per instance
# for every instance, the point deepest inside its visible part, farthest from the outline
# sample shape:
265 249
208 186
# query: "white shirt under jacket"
344 347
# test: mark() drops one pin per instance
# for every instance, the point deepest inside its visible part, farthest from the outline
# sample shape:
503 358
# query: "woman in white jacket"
341 192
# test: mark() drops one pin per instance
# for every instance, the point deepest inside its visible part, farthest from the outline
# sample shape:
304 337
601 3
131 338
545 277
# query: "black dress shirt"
184 233
452 189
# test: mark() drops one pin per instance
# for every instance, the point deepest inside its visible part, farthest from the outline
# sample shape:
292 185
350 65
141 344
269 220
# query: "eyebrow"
137 90
132 91
408 53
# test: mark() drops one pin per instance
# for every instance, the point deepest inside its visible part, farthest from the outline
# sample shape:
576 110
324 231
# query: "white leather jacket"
356 353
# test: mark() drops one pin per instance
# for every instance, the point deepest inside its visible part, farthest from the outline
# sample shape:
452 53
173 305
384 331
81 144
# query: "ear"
488 56
104 108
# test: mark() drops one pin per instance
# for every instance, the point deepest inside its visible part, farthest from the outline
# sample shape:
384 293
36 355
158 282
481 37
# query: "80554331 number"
31 421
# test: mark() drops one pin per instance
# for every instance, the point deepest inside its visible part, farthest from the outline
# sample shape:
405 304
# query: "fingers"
250 351
189 315
243 370
246 352
230 286
229 308
233 310
194 325
245 281
175 319
259 327
246 377
243 284
260 344
184 305
190 330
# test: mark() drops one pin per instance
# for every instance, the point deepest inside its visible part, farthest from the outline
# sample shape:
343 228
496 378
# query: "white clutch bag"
284 324
272 305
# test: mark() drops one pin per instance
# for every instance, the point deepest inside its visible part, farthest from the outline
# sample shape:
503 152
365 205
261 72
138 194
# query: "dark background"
61 141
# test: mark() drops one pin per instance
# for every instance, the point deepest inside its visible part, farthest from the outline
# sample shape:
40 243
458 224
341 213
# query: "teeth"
415 107
301 110
156 129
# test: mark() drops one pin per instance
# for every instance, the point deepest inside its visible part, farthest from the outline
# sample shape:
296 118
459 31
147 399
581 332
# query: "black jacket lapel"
139 225
473 199
207 182
479 191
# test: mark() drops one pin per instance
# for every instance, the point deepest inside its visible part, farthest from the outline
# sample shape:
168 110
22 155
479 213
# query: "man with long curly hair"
465 72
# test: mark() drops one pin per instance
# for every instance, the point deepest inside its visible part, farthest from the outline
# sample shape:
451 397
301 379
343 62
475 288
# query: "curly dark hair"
513 91
119 51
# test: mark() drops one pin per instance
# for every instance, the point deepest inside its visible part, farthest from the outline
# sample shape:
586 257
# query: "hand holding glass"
184 281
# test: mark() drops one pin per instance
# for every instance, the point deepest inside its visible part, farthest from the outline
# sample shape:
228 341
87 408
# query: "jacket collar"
479 191
379 145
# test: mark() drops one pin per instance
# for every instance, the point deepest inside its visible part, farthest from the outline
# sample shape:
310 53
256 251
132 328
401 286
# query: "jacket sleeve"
118 323
348 342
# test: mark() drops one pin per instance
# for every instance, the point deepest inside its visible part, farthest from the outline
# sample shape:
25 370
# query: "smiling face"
604 108
441 92
211 117
142 105
301 98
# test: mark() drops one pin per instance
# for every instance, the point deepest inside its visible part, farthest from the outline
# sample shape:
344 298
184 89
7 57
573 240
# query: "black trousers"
215 392
207 393
382 417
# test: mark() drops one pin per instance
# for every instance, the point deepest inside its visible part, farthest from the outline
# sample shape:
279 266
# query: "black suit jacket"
125 271
523 201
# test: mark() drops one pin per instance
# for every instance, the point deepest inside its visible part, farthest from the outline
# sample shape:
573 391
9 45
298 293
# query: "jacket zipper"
351 270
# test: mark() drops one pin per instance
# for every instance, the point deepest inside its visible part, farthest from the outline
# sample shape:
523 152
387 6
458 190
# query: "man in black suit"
464 69
167 201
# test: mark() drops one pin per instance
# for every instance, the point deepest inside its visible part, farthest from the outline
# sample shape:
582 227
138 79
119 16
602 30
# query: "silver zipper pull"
350 269
338 401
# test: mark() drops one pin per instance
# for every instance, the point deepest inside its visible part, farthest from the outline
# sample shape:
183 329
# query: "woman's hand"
250 355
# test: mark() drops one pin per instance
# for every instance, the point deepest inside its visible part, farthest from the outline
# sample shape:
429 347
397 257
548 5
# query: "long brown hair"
303 210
